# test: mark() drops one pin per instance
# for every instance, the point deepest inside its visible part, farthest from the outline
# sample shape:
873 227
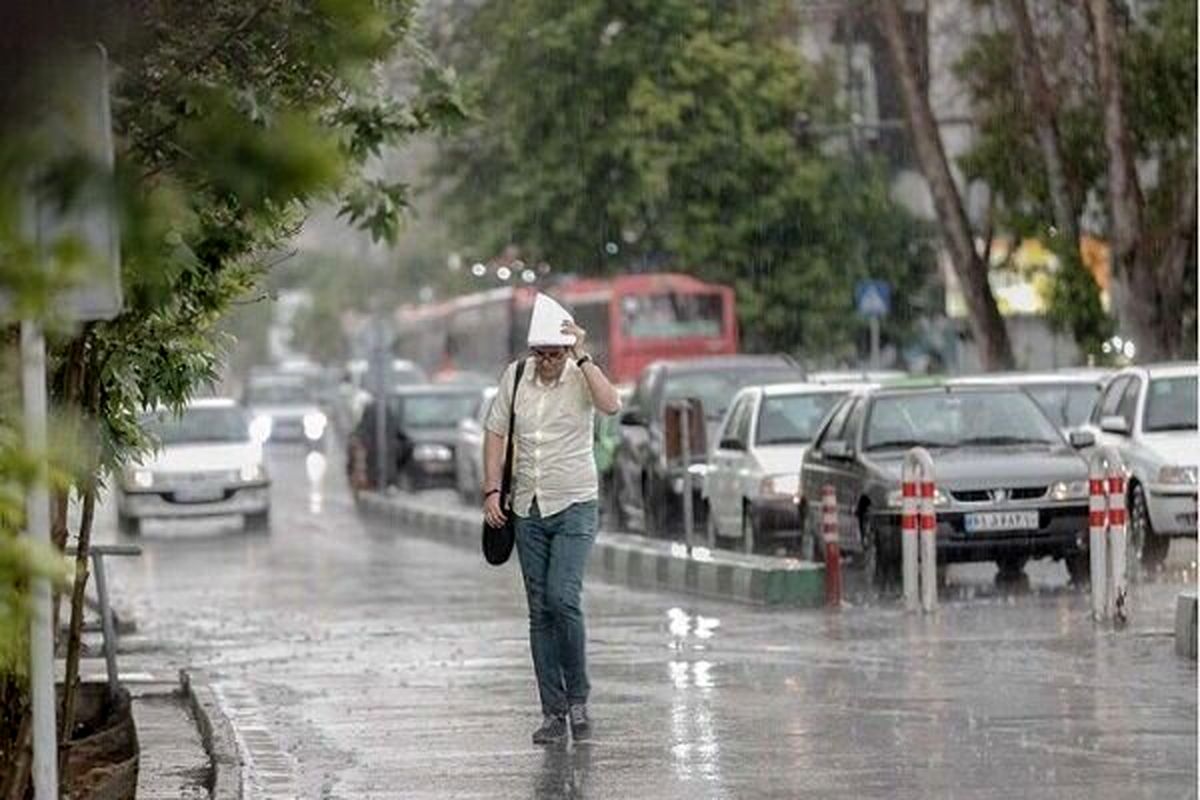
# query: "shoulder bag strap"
506 479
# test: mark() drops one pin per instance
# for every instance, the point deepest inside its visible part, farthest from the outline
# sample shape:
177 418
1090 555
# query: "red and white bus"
631 320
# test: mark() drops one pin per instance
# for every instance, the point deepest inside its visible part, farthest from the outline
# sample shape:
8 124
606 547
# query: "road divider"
833 552
634 560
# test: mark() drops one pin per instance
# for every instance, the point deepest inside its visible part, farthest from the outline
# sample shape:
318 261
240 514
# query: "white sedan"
754 467
208 463
1149 415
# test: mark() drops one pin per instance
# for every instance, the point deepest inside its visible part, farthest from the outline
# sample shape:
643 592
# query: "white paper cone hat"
545 326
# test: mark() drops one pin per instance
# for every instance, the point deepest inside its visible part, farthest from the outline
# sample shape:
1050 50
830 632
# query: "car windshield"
793 418
199 426
277 393
1171 404
958 419
1067 405
716 389
436 410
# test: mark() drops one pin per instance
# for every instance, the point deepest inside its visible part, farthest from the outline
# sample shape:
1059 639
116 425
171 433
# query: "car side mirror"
838 450
1082 439
731 443
633 417
1115 424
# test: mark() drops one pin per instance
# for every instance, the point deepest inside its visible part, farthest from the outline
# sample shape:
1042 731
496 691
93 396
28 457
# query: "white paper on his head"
545 325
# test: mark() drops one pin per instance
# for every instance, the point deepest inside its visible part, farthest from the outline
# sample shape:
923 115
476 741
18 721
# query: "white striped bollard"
1097 537
1116 542
833 553
928 526
908 539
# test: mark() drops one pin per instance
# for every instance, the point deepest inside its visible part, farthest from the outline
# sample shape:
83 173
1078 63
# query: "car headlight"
1185 475
785 485
1069 490
895 498
141 478
314 425
252 471
260 429
432 452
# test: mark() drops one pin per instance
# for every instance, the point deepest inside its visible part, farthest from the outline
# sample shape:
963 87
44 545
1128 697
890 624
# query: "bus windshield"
671 315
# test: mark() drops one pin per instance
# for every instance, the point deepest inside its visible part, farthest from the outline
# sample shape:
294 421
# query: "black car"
649 491
422 428
1009 486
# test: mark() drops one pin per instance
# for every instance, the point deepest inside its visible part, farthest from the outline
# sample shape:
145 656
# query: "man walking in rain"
554 497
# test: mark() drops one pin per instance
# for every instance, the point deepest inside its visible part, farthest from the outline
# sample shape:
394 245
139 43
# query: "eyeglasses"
546 354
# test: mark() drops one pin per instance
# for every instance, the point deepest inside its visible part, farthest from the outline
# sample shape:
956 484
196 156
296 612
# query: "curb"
1185 624
217 734
638 561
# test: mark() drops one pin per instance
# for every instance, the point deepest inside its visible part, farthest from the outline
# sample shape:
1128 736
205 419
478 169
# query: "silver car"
1009 486
1149 415
468 451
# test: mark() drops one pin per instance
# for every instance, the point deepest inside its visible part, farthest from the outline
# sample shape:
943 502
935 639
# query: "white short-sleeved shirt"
552 453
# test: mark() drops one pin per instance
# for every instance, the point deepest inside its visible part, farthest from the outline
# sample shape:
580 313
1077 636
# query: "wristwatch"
585 358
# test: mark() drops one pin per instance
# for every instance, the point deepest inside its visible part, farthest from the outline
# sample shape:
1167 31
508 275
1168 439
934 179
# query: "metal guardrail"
98 552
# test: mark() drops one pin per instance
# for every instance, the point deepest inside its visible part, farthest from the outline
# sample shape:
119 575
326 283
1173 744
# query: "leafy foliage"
642 135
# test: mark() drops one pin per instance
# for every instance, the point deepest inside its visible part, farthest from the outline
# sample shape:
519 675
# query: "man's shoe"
581 724
553 730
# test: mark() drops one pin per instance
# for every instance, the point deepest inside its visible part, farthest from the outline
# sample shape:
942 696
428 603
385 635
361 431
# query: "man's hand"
492 511
571 329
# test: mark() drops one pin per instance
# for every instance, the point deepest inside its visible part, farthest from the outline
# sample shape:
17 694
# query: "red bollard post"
1116 543
1097 541
908 539
833 552
928 544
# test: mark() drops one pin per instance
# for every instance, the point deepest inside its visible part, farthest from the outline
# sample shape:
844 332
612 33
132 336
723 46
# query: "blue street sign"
873 299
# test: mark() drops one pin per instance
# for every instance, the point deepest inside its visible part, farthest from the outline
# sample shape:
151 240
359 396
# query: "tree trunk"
74 638
1063 195
1133 284
986 323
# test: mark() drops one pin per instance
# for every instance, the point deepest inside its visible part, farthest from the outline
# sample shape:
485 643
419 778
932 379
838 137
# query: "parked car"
1149 415
353 392
1010 487
754 464
422 432
285 409
1067 397
468 450
649 491
207 464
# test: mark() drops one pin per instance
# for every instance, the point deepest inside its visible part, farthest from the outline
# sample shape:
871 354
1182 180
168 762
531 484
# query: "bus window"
670 315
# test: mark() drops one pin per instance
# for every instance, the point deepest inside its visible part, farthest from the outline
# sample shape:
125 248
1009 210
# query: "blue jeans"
553 552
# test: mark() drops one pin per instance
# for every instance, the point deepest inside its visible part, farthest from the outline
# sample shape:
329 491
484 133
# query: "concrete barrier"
633 560
216 731
1185 624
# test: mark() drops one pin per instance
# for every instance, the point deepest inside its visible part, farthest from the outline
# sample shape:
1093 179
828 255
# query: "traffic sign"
873 299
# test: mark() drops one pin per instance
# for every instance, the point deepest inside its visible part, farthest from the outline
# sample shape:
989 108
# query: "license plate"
199 494
1001 521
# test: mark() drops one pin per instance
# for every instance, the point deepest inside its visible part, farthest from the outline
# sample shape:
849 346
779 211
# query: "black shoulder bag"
498 542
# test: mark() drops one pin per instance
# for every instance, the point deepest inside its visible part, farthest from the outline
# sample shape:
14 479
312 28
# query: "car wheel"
1145 547
258 522
1079 567
878 565
130 526
1011 566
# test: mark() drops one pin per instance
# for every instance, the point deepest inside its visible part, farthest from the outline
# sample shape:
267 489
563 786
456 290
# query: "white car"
208 464
754 466
1149 415
284 409
468 451
1067 396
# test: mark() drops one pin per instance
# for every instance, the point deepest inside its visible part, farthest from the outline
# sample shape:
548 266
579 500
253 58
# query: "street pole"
685 420
37 510
381 367
874 342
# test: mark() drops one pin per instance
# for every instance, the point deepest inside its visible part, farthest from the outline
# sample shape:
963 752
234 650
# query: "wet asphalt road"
360 661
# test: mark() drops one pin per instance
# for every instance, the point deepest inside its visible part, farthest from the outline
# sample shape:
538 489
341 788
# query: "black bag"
498 542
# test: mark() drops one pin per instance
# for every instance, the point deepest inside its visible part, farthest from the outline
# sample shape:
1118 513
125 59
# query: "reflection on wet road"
360 662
